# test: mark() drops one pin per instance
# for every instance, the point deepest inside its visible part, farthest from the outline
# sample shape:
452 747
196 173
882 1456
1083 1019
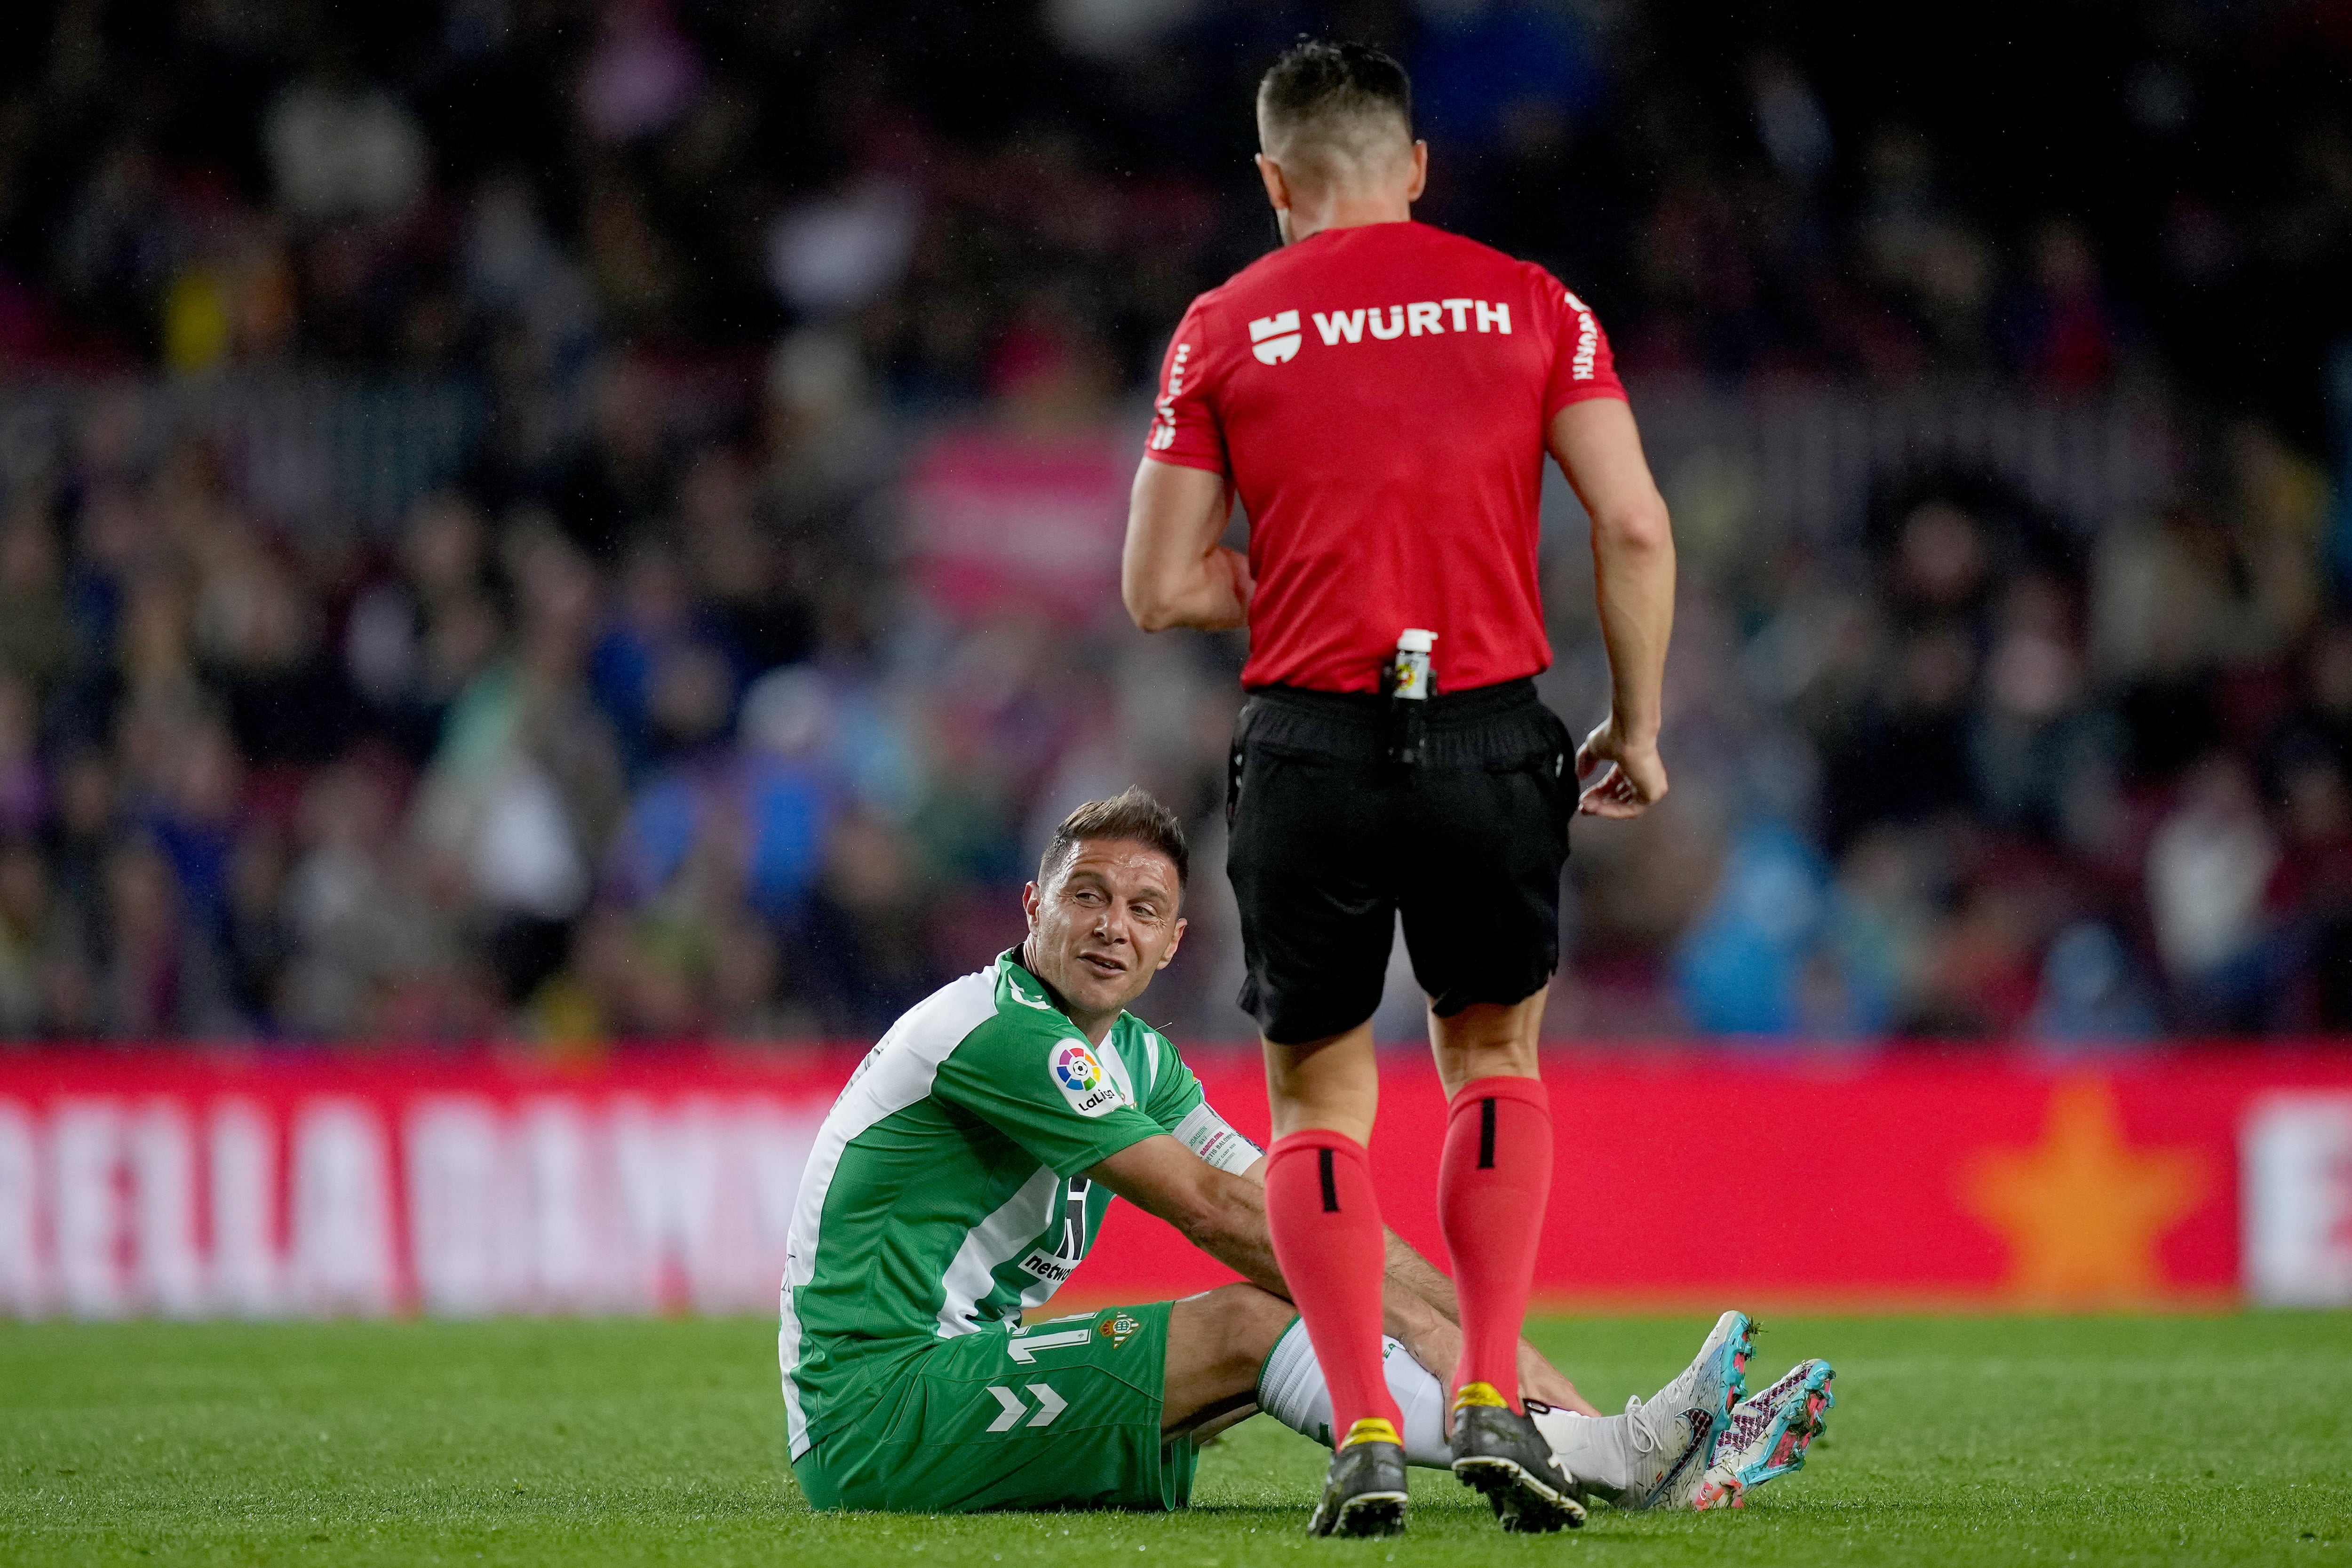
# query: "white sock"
1593 1449
1291 1389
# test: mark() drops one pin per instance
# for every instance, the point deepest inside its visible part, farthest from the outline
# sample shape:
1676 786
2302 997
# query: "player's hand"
1539 1380
1631 778
1236 574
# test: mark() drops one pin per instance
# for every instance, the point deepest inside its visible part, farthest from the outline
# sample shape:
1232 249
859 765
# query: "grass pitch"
1955 1439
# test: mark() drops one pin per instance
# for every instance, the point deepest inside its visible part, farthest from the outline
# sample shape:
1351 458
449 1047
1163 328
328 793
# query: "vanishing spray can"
1409 681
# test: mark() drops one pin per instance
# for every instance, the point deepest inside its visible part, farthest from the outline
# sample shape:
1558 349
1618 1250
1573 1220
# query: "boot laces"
1648 1431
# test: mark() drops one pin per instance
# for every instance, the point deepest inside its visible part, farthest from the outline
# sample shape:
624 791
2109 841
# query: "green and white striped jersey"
946 1192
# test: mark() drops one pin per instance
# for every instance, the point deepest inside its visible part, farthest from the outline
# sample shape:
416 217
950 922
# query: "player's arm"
1173 572
1597 446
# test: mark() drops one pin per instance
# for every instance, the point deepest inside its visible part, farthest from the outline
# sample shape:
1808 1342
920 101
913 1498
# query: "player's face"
1106 926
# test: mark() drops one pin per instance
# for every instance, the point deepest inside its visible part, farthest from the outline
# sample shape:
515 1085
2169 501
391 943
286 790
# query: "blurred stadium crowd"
572 520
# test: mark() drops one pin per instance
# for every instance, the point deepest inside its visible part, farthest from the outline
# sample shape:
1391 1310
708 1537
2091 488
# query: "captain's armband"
1207 1134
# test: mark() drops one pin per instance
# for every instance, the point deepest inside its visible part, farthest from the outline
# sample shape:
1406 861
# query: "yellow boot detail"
1475 1395
1371 1429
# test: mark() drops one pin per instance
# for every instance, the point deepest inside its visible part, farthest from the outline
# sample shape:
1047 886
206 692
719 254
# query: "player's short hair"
1132 814
1333 108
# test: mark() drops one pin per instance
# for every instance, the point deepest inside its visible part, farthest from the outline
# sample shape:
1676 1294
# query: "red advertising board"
1683 1176
179 1183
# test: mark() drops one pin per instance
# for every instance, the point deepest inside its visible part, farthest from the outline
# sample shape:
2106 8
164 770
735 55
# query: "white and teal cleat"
1656 1454
1768 1435
1717 1378
1716 1381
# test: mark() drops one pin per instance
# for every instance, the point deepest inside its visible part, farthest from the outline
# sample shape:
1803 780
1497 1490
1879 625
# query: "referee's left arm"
1172 572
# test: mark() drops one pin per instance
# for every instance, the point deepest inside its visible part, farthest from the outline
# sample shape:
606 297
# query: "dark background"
424 428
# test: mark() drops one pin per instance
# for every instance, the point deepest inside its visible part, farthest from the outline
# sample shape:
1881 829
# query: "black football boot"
1498 1450
1364 1494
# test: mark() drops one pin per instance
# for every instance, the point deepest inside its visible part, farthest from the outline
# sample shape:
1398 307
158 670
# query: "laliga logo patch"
1076 1068
1081 1079
1275 339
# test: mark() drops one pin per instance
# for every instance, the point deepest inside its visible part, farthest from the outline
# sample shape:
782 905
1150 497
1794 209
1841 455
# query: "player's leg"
1237 1349
1310 842
1481 908
1493 1178
1323 1215
1218 1342
1324 1223
1329 1085
1321 1211
1291 1389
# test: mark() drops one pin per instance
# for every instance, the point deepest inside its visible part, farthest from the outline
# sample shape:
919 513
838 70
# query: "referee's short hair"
1132 814
1333 104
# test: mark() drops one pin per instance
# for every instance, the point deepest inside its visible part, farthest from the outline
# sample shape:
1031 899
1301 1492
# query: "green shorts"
1064 1414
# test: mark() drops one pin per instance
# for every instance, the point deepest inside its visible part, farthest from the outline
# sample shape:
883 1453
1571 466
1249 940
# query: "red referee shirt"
1379 397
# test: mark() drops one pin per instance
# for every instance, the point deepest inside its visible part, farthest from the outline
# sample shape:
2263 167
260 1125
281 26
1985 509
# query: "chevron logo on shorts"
1049 1405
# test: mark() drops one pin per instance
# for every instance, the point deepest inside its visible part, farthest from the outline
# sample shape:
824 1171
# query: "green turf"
1956 1439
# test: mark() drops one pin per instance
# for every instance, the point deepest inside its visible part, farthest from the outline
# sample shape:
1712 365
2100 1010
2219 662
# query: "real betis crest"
1117 1327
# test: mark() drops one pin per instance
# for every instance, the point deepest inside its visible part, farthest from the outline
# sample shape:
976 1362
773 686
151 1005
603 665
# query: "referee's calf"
1379 396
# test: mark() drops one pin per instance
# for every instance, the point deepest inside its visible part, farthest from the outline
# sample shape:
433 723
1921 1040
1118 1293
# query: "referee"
1379 396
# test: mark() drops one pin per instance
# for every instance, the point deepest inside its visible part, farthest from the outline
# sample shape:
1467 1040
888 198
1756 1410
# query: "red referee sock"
1326 1226
1492 1182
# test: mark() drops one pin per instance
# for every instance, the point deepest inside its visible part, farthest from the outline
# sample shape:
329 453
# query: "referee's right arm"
1597 446
1172 572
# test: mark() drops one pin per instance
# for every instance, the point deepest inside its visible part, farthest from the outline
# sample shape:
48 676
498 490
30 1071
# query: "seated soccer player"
964 1172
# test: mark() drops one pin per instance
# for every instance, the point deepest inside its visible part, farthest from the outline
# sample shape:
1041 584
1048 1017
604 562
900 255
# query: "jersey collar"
1010 959
1018 973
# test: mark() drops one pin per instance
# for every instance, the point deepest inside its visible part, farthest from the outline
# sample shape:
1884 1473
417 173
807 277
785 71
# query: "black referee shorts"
1330 842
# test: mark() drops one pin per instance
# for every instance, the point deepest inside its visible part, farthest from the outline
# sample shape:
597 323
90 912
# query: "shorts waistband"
1500 726
1447 708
